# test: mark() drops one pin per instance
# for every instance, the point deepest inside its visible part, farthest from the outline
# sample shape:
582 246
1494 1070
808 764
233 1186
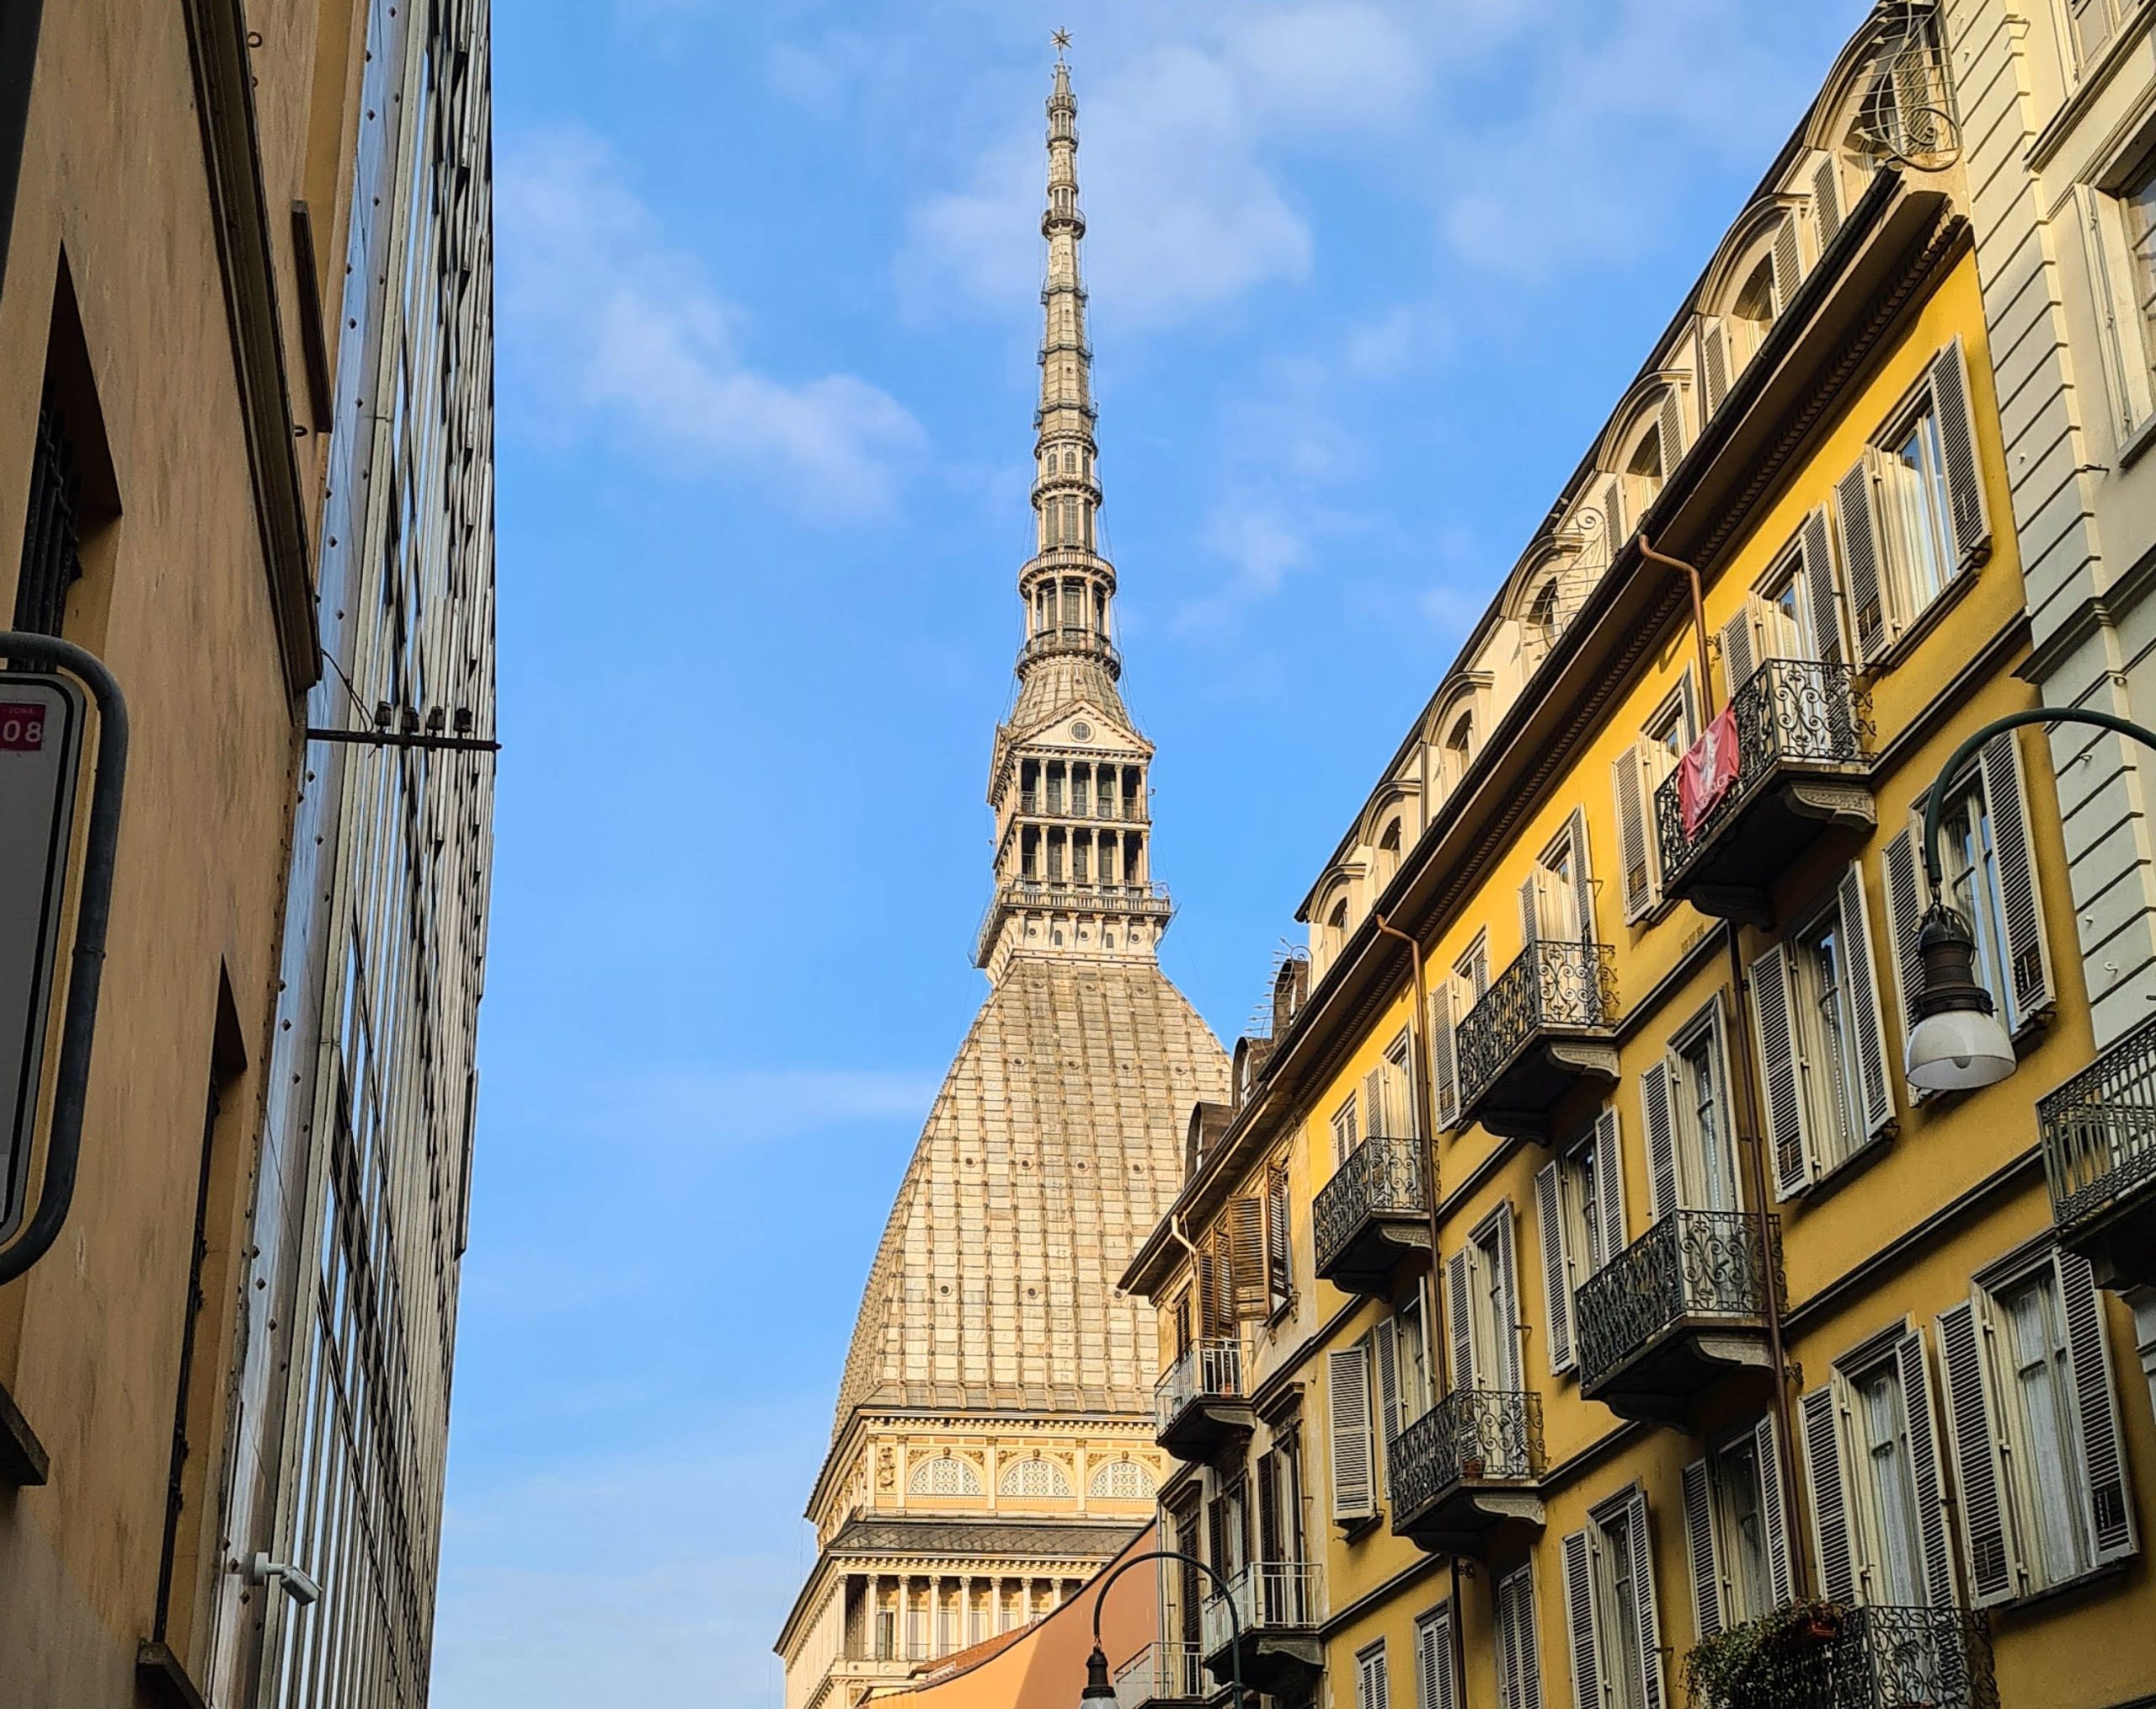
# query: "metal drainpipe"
1754 1146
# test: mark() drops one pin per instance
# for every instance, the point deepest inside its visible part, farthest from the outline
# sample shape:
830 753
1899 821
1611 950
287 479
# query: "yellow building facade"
1740 1364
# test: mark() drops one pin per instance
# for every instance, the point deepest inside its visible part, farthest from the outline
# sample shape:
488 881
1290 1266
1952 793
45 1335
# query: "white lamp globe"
1956 1050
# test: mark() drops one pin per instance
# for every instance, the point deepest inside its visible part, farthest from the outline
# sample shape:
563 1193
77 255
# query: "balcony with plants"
1824 1655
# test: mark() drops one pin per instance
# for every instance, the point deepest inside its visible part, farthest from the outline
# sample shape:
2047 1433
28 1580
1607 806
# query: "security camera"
298 1585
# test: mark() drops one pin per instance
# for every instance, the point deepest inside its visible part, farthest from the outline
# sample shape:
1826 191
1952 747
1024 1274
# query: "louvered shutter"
1505 1372
1444 1070
1789 267
1643 1605
1530 909
1583 874
1713 364
1384 1351
1949 395
1980 1481
1458 1288
1613 518
1826 201
1438 1689
1868 620
1822 594
1859 975
1354 1491
1579 1619
1766 1449
1772 1007
1377 1113
1216 1537
2096 1405
1526 1649
2014 842
1659 1122
1904 876
1820 1409
1671 429
1556 1267
1247 1282
1279 1256
1699 1545
1268 1508
1608 1184
1370 1682
1627 784
1740 653
1937 1564
1214 1314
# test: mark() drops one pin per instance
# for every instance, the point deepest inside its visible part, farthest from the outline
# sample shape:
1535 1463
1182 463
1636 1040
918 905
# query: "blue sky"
1366 275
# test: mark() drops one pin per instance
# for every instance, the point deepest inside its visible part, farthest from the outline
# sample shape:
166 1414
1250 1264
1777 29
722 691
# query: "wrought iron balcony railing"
1790 713
1269 1596
1162 1673
1208 1370
1470 1436
1873 1658
1551 987
1692 1265
2099 1132
1379 1177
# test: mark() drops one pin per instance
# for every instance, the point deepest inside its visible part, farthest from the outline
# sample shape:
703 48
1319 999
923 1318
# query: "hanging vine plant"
1748 1666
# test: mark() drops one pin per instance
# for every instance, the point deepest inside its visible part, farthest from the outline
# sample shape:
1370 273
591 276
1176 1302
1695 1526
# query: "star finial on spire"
1061 38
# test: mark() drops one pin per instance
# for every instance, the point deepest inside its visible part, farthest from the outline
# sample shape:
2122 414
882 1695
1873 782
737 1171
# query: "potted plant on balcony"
1751 1666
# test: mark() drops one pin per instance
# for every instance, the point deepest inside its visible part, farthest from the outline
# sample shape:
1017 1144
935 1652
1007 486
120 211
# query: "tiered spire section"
1068 782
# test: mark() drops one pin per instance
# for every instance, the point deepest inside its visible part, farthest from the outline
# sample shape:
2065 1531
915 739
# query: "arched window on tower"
1081 853
946 1475
1121 1480
1055 840
1029 853
1038 1478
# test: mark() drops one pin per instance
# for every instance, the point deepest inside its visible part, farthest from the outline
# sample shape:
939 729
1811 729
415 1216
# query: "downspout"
1754 1146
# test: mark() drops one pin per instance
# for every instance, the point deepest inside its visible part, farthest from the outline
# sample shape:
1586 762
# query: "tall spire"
1069 780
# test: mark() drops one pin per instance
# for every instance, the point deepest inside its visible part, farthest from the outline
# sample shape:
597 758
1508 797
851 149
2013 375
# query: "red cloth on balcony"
1708 770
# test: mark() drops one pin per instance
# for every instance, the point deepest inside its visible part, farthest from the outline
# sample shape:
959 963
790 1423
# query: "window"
2120 220
1036 1478
1279 1255
1399 1356
1346 1131
1519 1656
1227 1526
1354 1477
1369 1677
1412 1336
1915 508
1437 1668
1753 314
1579 1204
1557 899
1684 1102
1540 627
1280 1497
1121 1480
1616 1637
1460 749
1635 775
2090 23
1483 1298
946 1475
1388 853
2037 1450
1736 1532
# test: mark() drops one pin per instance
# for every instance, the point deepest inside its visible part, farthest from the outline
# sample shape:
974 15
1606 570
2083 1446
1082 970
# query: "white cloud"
1261 546
1336 65
625 327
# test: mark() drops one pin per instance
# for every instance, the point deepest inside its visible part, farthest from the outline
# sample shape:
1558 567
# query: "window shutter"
1279 1256
1579 1617
1376 1115
1519 1658
1826 201
1216 1537
1859 541
1530 909
1505 1372
1740 654
1660 1123
1672 431
1994 1569
1860 972
1823 593
1766 1449
1643 1603
2014 840
1444 1076
1213 1313
1771 1006
1354 1494
1713 364
1613 516
1433 1668
1789 267
1904 876
2110 1513
1583 874
1699 1540
1938 1564
1608 1184
1457 1289
1830 1501
1247 1282
1384 1347
1370 1682
1556 1267
1629 786
1950 393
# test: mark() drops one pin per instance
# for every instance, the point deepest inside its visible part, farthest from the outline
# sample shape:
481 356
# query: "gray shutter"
1659 1122
2096 1405
1830 1500
1860 972
1354 1490
1370 1677
1456 1311
1672 431
1789 268
1508 1375
1823 590
1826 201
1771 1006
1522 1671
1713 364
1766 1449
1385 1347
1637 871
1937 1563
1579 1616
1583 874
1556 1267
1613 514
1904 876
1643 1603
1860 578
1950 394
1699 1542
1444 1070
1530 909
1377 1107
1610 1182
1740 655
1978 1478
2013 840
1433 1670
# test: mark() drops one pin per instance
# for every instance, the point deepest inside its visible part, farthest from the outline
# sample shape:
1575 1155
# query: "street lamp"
1098 1688
1958 1042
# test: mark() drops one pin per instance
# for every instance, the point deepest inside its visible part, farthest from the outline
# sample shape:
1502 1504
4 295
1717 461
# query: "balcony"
1146 902
1868 1658
2099 1133
1373 1216
1200 1404
1546 1026
1678 1310
1074 638
1280 1605
1469 1467
1162 1673
1800 768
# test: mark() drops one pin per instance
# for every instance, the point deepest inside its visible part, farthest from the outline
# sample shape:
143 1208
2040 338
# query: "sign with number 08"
22 727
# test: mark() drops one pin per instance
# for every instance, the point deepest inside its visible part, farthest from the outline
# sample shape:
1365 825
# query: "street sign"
41 722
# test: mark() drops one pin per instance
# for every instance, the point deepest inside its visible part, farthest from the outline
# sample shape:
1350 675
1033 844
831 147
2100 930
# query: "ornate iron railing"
1209 1370
1876 1658
1470 1435
1692 1263
1789 711
1549 986
1379 1176
1162 1673
1268 1596
2099 1130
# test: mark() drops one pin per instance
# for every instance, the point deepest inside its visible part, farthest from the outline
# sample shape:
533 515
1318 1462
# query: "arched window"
1125 1479
1460 749
1541 627
1035 1478
1388 853
1752 313
947 1475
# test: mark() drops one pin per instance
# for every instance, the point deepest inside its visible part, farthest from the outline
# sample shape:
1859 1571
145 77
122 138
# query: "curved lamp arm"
1097 1664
